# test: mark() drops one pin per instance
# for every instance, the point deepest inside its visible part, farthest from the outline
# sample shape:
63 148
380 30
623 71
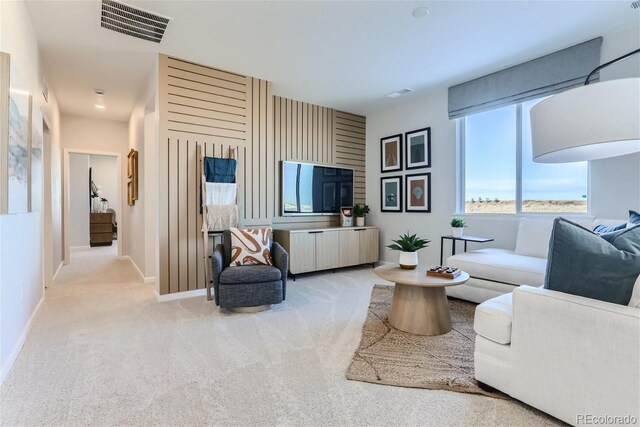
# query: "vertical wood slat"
183 219
174 283
274 129
192 215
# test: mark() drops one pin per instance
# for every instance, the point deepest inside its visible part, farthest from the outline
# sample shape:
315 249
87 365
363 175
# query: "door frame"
66 199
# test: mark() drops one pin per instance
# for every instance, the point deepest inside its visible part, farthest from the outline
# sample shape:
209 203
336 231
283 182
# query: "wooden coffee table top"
417 277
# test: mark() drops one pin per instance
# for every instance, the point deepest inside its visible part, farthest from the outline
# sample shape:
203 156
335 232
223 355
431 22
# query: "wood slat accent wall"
215 110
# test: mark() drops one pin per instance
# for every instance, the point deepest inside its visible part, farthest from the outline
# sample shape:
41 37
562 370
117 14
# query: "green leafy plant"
407 243
457 222
361 210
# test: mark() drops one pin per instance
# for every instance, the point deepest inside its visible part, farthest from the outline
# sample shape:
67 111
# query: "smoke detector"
132 21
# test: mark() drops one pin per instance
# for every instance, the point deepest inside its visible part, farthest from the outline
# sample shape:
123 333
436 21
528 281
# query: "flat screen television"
312 189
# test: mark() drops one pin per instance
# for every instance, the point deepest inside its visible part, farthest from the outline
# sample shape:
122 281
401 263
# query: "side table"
465 239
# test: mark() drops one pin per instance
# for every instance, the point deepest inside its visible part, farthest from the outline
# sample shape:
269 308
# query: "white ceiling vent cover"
132 21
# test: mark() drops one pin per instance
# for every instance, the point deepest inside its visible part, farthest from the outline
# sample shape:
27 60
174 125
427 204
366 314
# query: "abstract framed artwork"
418 197
18 146
391 153
418 148
391 194
4 124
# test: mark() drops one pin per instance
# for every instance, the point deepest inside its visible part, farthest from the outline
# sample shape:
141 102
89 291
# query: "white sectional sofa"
569 356
498 271
575 358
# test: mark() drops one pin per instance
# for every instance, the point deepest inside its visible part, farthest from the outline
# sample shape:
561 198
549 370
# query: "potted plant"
457 226
408 247
360 211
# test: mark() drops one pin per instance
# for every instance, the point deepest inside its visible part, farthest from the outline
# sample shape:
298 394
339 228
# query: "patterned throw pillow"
250 246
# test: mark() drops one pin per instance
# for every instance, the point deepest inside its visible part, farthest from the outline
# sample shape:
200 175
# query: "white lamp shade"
590 122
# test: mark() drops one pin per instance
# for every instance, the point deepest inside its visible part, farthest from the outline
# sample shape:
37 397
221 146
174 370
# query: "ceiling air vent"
132 21
399 93
636 4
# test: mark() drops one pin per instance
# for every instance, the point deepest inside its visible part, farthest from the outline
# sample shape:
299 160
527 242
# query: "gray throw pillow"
585 264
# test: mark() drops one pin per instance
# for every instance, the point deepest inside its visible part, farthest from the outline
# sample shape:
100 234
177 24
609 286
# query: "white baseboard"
127 257
57 271
181 295
150 279
6 368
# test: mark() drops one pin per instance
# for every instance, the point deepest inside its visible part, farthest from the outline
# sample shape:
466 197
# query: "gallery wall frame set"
418 192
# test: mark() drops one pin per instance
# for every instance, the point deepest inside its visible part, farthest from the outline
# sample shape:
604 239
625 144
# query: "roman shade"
544 76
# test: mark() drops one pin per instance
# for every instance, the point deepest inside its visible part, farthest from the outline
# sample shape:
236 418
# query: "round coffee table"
419 301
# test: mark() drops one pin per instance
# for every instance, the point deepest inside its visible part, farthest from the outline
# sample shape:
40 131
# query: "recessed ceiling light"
100 107
420 12
399 93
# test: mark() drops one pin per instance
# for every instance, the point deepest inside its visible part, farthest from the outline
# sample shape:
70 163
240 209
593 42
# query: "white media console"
316 249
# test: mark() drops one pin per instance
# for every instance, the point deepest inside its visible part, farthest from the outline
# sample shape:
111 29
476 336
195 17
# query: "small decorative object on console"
360 212
444 272
346 216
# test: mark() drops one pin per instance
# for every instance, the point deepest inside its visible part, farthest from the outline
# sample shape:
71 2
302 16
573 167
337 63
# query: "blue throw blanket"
220 170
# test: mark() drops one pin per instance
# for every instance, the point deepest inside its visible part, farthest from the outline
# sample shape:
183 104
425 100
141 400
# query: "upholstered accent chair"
248 288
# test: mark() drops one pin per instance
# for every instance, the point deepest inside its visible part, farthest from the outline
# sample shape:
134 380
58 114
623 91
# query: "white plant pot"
457 231
359 221
408 260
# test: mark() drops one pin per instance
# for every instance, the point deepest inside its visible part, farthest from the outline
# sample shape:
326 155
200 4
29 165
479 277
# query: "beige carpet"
389 356
104 352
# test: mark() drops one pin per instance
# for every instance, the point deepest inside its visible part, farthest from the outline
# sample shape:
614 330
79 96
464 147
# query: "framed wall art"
418 197
418 148
4 124
391 153
18 174
391 194
132 175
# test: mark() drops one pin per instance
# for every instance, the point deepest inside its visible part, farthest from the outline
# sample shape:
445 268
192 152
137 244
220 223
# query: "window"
499 175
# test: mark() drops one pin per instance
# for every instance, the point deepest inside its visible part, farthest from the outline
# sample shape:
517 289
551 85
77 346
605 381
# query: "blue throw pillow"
634 217
602 229
585 264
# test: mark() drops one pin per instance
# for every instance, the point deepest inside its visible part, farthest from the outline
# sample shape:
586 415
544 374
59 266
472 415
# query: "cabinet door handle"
360 229
316 232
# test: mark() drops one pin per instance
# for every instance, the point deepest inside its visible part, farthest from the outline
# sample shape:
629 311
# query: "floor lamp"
593 121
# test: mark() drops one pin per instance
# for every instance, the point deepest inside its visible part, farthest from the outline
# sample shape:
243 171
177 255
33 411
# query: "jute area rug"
389 356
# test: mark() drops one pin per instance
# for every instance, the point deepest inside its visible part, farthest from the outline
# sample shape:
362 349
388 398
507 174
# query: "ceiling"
346 55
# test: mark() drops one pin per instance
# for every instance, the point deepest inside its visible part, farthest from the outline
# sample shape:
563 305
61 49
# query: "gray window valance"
539 77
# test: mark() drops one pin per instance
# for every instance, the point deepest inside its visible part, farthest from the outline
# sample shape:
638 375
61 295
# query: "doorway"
93 204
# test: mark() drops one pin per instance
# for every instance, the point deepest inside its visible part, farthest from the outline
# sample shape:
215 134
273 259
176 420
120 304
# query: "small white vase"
408 260
457 231
359 221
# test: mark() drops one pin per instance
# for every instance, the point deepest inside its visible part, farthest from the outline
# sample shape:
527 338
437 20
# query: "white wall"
615 183
104 172
143 215
78 199
21 243
97 136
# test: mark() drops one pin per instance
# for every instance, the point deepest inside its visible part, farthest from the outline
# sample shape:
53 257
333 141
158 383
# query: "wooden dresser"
101 229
